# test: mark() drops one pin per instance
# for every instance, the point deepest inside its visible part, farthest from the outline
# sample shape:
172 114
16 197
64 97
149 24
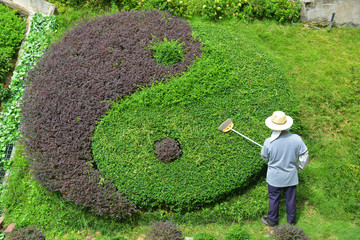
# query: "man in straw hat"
281 151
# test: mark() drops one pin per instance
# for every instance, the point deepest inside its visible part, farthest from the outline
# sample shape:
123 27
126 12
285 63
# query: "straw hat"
279 121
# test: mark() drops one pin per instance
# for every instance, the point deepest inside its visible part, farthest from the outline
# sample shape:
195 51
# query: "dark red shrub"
28 233
164 231
168 150
285 232
71 88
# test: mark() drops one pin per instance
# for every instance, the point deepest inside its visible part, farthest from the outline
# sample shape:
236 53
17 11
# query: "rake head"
226 126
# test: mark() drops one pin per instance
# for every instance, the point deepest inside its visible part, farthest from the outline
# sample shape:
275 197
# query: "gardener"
281 151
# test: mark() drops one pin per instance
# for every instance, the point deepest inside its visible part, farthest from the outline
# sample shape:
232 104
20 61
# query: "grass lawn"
324 69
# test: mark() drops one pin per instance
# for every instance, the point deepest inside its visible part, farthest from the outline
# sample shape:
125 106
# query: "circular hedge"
71 88
232 79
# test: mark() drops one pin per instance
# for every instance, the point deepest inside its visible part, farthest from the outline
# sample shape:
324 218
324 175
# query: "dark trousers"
274 199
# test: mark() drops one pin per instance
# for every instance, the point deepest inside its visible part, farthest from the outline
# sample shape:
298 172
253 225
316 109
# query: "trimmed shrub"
168 150
205 236
288 232
71 88
231 79
164 231
237 232
28 233
12 29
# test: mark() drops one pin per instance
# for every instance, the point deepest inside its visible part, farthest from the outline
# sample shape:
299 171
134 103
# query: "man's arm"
264 152
303 160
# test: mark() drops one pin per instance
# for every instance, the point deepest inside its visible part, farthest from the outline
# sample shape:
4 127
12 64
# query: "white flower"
204 6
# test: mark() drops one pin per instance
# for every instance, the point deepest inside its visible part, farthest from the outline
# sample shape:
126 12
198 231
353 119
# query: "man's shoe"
268 222
292 223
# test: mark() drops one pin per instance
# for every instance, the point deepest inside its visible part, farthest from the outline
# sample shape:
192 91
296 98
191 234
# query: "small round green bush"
168 52
168 150
164 231
237 233
28 233
288 232
205 236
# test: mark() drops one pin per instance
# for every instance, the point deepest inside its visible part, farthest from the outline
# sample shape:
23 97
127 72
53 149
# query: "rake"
228 126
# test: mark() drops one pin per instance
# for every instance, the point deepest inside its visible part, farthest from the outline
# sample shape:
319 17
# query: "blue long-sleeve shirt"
282 155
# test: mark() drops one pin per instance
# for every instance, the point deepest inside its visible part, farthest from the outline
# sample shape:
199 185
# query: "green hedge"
12 29
232 79
248 10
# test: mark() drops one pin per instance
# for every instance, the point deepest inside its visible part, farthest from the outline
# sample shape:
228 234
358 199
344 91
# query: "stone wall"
347 12
30 7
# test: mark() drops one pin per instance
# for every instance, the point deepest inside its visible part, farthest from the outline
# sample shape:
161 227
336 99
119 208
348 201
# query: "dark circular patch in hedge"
68 92
168 150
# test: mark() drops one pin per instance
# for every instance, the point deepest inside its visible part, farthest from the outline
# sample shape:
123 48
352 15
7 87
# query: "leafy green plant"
248 10
216 9
164 231
5 92
168 52
282 10
243 10
176 7
205 236
288 232
237 232
12 28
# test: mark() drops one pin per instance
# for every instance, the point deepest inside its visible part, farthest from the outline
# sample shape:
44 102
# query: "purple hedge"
71 88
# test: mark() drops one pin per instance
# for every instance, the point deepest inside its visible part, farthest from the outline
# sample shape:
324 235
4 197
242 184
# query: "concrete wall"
347 12
30 7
